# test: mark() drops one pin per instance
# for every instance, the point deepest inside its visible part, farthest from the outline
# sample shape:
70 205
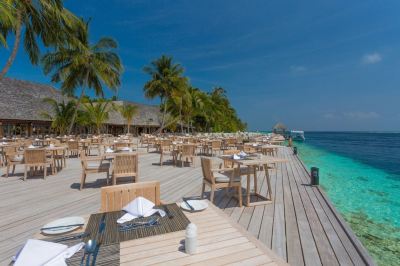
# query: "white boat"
297 135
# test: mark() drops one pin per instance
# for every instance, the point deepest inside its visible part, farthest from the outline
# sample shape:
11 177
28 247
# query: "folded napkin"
126 149
31 147
51 145
109 150
236 157
139 207
4 143
37 139
242 154
39 252
255 144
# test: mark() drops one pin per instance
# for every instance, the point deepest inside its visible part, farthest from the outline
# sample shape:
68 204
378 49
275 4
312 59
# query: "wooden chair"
73 148
12 158
125 165
166 148
188 152
220 178
92 165
114 198
37 158
216 146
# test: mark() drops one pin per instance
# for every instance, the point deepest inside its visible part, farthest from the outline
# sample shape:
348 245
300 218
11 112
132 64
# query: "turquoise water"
367 196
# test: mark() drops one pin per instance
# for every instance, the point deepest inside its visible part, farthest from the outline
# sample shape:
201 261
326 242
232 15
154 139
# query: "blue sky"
314 65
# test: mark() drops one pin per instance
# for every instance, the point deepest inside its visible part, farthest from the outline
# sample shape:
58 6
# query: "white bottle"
191 239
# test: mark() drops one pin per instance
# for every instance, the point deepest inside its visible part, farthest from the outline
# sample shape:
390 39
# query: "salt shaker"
191 239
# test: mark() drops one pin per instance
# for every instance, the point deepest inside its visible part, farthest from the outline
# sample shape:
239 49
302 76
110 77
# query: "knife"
81 235
60 227
187 203
101 230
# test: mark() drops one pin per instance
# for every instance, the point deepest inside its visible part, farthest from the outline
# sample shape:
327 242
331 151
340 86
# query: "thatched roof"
23 100
279 126
147 115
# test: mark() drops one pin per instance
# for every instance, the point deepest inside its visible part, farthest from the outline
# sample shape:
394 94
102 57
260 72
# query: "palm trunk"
180 116
129 125
78 103
15 47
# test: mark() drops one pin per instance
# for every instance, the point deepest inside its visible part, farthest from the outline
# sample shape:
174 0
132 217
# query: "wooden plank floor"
301 226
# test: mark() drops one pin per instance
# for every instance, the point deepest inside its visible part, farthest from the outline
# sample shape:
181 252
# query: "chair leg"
202 190
8 170
45 171
83 178
114 180
13 169
212 194
25 173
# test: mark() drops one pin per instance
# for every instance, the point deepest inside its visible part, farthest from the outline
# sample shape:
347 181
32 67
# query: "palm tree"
98 112
7 20
33 20
85 65
166 77
61 114
127 111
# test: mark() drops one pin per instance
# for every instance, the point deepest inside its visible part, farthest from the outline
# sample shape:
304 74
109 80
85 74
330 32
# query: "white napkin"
255 144
139 207
109 150
236 157
242 154
39 252
31 146
51 145
4 143
126 149
37 139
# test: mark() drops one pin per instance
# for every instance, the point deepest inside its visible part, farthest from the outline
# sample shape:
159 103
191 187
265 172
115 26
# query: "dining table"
253 163
220 240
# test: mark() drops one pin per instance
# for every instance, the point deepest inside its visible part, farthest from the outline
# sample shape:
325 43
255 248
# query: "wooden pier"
301 225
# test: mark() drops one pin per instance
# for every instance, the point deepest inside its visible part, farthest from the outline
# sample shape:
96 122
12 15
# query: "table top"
219 241
253 160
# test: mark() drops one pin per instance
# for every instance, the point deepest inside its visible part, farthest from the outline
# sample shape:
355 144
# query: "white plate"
198 205
61 222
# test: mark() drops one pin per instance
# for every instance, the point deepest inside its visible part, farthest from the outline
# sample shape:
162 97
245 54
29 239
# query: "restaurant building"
22 106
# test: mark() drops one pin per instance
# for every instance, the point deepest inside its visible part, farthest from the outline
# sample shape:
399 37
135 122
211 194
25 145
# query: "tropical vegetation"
127 111
33 21
83 65
97 112
184 106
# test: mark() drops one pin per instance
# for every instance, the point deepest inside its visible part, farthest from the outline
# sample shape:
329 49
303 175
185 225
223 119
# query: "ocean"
360 172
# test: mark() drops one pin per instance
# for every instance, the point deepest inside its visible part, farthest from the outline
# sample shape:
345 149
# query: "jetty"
301 225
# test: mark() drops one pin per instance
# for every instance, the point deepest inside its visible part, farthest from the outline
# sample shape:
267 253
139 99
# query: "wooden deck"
301 226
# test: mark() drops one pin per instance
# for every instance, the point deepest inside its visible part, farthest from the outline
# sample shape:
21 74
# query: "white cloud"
298 69
373 58
329 116
361 115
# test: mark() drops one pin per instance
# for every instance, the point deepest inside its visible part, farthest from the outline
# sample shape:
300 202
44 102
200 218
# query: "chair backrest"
188 150
114 198
35 156
249 149
125 164
216 144
206 166
73 145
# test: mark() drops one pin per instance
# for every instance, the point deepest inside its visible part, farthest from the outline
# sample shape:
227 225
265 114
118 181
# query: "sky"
313 65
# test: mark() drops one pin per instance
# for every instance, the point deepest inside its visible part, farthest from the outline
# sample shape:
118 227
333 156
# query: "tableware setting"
194 205
63 225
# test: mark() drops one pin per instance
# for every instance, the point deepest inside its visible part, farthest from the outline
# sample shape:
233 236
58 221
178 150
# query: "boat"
297 135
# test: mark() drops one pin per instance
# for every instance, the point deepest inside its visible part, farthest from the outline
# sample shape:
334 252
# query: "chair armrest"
95 158
222 169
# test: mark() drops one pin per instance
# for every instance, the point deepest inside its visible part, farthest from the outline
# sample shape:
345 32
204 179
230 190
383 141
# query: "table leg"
255 179
248 188
268 181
